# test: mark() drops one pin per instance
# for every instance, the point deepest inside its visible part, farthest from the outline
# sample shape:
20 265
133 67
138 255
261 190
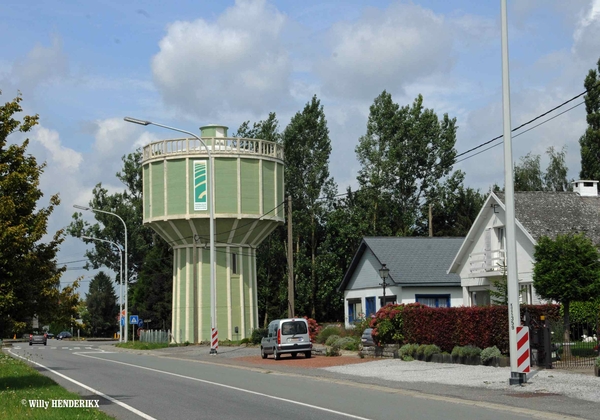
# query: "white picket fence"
155 336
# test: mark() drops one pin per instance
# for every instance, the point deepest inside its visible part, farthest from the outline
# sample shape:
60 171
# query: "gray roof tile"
553 213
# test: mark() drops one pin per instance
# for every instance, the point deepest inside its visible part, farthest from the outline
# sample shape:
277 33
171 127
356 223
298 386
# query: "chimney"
586 188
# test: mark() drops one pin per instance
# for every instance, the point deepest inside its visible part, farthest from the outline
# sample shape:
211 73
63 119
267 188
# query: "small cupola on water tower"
586 188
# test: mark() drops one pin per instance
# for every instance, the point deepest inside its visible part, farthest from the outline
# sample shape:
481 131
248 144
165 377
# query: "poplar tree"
29 275
590 141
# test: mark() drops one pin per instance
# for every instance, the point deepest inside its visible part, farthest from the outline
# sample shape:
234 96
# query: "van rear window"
293 327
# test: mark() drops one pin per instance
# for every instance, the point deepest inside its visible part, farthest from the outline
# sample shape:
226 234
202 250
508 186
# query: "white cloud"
42 64
115 137
68 159
234 63
385 49
587 32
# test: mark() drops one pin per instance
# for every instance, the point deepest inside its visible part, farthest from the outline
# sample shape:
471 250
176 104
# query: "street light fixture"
383 273
121 282
213 314
126 255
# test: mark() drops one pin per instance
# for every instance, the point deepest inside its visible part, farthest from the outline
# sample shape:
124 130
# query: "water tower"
248 186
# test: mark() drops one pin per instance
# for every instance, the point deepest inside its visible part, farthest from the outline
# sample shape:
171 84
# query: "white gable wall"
493 219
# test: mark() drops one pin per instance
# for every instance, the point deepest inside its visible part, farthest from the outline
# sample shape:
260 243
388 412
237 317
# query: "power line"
522 132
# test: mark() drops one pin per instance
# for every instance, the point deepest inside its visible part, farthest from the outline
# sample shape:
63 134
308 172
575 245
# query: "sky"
83 66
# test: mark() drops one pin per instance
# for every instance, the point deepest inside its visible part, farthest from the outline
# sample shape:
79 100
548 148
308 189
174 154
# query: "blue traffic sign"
141 323
122 321
133 319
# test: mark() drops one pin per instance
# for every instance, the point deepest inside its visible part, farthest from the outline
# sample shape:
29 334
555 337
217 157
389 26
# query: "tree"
101 302
307 149
528 175
590 141
566 270
68 308
265 130
29 276
404 155
141 241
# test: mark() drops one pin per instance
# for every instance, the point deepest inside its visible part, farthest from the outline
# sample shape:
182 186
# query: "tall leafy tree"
530 177
567 269
29 276
403 155
102 309
141 239
590 141
307 149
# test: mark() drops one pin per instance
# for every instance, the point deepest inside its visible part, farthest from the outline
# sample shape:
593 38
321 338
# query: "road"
135 386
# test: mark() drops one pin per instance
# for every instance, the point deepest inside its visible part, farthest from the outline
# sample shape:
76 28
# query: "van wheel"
276 355
294 355
262 353
308 354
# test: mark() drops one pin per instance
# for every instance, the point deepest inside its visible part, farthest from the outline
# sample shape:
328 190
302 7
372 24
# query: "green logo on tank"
200 185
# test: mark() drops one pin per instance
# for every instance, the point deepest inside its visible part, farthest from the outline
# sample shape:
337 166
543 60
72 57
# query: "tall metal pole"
126 255
214 343
290 251
514 316
120 283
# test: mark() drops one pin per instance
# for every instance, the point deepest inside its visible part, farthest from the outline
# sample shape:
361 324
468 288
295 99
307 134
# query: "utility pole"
512 281
290 251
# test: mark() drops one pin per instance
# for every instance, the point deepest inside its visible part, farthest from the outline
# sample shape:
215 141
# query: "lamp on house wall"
383 273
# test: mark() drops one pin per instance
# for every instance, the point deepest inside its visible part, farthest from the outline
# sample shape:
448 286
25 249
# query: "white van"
288 335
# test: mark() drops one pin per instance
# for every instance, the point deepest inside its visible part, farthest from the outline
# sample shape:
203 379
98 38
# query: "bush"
313 328
469 351
489 352
332 351
598 361
326 332
258 334
346 343
430 350
387 325
421 350
332 339
245 341
408 351
456 351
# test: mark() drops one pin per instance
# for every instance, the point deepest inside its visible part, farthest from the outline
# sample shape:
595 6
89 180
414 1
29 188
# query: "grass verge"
21 385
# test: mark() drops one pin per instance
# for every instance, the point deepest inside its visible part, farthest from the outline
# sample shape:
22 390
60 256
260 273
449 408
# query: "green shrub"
332 351
245 341
431 349
332 339
421 350
346 343
456 351
258 334
598 361
469 351
489 352
407 350
327 332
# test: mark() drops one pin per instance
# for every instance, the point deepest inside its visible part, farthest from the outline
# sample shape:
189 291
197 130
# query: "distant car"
367 339
64 334
37 338
50 335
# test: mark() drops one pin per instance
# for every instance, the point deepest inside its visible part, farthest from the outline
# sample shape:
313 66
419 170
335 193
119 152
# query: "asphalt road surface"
134 386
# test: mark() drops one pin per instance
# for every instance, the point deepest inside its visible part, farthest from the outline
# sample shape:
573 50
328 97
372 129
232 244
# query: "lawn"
21 386
142 345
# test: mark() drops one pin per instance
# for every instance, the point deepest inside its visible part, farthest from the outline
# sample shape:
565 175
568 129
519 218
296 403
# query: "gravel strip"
573 385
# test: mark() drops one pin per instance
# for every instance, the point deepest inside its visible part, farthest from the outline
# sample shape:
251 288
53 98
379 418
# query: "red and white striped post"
523 353
214 340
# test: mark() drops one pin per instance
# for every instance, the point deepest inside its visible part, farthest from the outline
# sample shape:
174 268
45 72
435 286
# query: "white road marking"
229 387
75 348
111 399
52 348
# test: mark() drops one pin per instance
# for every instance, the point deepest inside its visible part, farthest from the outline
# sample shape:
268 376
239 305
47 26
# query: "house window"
388 299
434 301
370 306
234 269
354 310
480 298
526 294
500 233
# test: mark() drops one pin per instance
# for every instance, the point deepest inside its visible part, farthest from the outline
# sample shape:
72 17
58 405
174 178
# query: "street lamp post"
126 255
213 315
383 273
120 283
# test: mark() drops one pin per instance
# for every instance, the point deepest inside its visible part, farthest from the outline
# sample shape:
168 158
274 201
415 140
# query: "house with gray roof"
417 273
481 258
